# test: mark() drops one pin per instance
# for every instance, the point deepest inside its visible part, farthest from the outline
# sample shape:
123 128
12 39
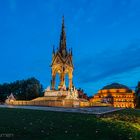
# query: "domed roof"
115 86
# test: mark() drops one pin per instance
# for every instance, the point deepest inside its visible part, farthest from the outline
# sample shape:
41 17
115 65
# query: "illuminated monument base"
53 98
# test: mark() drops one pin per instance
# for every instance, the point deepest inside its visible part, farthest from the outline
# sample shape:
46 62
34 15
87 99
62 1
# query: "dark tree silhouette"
22 89
138 94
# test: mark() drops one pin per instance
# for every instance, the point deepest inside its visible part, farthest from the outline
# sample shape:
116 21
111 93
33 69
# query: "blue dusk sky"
104 35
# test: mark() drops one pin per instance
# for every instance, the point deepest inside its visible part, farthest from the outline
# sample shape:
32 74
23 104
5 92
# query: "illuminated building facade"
116 95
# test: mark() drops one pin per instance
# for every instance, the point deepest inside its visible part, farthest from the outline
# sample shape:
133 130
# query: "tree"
22 89
138 95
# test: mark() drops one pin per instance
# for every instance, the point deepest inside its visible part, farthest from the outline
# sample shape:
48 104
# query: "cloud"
109 63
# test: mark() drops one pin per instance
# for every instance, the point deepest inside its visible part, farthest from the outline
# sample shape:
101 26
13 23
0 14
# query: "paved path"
89 110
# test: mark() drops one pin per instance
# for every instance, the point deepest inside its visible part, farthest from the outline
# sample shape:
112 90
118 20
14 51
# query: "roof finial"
71 51
53 49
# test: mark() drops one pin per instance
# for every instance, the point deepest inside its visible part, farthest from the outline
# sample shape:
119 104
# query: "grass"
40 125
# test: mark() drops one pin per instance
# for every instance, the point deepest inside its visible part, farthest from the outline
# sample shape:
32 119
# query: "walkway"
89 110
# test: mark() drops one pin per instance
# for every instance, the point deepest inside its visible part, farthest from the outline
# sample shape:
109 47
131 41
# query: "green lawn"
41 125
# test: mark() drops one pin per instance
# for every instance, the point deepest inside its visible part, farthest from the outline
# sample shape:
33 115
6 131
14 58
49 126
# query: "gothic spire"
62 45
53 50
71 51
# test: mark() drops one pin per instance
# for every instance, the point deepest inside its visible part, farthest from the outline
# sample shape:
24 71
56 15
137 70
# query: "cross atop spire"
62 45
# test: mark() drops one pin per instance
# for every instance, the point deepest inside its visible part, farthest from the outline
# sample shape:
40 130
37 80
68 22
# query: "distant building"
116 95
